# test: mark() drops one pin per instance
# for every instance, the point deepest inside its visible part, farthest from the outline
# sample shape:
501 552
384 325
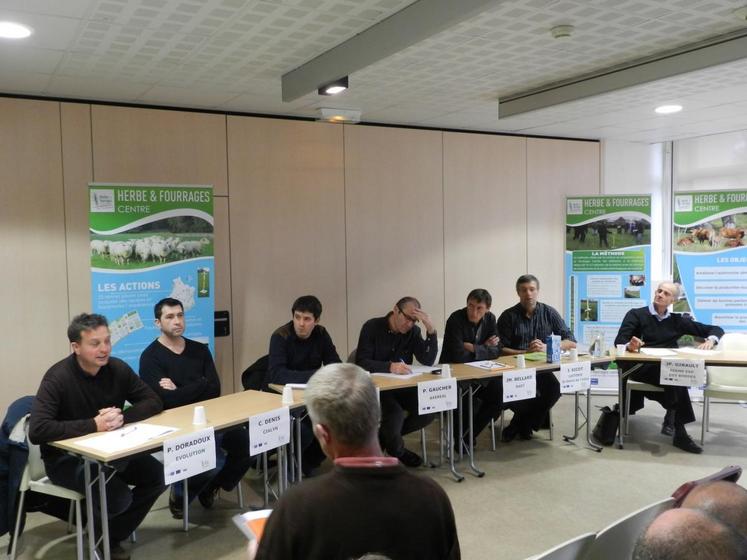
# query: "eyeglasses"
406 316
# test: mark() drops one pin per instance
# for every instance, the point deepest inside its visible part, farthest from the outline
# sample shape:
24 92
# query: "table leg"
620 398
298 450
594 446
89 509
266 479
460 406
577 426
104 513
450 445
185 506
471 448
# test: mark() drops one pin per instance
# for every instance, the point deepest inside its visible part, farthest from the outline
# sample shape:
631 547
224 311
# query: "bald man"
723 500
689 534
656 327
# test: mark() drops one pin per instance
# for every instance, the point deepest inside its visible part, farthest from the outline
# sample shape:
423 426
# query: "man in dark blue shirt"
387 345
297 349
524 328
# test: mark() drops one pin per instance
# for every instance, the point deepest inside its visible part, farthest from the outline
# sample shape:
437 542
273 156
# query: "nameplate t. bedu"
575 377
681 372
269 430
519 385
437 395
186 456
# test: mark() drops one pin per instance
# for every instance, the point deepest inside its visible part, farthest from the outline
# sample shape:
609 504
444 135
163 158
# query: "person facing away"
655 326
181 371
524 328
471 335
368 502
83 394
689 534
297 349
387 345
722 500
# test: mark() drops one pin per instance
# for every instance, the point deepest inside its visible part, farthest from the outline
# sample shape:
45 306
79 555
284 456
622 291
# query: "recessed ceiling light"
335 87
12 30
668 109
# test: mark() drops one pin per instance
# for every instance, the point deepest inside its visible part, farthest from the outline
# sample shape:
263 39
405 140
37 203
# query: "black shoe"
667 427
207 496
526 434
410 459
175 506
509 433
683 441
118 552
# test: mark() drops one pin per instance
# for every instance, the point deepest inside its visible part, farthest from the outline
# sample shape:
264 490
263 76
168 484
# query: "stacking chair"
574 549
35 478
617 541
635 386
724 382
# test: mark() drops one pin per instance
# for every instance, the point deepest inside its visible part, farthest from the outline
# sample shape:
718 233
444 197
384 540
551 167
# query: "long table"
222 412
639 359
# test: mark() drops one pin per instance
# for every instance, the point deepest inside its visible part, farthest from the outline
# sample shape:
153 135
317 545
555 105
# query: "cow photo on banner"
149 242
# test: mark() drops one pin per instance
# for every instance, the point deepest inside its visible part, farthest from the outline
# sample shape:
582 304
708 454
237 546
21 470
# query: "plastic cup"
445 370
521 361
573 354
287 395
620 349
198 417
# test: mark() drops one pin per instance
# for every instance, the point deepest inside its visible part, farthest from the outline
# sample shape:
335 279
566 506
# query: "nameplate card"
269 430
684 373
519 385
437 395
186 456
575 377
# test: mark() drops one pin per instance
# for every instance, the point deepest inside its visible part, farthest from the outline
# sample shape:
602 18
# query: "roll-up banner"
149 242
607 263
710 257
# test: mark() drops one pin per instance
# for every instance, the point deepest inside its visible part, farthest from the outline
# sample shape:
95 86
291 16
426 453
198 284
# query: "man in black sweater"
471 335
182 371
85 393
367 503
297 349
524 328
655 327
387 345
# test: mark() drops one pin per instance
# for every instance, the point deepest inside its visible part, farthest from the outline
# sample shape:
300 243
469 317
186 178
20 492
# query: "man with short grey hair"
368 502
655 326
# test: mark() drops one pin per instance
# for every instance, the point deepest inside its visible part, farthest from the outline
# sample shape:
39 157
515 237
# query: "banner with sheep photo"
149 242
608 267
710 256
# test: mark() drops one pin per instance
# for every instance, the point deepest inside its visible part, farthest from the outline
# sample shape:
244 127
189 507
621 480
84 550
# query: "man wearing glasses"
387 345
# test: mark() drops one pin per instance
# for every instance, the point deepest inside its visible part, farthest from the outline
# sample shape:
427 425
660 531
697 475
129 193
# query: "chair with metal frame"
724 382
35 479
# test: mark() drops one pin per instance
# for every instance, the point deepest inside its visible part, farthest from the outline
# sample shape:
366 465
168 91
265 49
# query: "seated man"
689 534
367 502
524 328
655 327
471 335
86 393
297 350
387 344
181 371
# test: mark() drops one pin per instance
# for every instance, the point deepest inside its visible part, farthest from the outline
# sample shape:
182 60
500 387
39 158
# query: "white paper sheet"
397 375
487 364
657 352
126 437
296 385
697 351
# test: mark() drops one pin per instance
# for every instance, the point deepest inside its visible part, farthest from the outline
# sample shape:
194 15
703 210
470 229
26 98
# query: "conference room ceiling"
229 55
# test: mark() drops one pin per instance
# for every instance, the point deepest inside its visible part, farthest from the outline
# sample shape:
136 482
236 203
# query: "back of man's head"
689 534
726 501
343 398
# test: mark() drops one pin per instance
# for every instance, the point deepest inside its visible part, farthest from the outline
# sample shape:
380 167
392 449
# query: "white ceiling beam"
416 22
720 50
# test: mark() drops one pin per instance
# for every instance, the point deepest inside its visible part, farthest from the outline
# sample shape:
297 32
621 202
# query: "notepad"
536 356
657 352
252 523
127 437
488 364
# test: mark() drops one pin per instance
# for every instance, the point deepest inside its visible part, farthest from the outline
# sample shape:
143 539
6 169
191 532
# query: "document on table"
296 385
127 437
399 375
488 364
697 351
536 356
657 352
